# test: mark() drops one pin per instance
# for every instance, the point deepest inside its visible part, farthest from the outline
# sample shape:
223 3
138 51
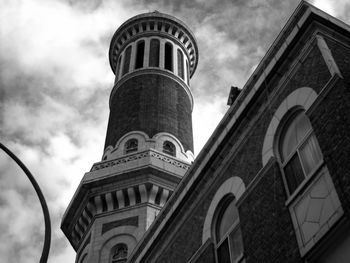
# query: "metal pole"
47 241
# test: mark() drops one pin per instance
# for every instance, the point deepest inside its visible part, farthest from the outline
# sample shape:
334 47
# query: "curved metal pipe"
47 241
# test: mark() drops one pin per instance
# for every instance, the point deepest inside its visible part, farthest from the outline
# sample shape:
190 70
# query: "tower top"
152 23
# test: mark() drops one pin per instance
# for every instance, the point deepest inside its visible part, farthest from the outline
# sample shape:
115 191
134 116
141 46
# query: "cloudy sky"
55 82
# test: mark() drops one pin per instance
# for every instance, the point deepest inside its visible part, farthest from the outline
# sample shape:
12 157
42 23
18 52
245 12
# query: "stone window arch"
168 56
140 52
131 146
233 186
169 148
119 253
302 98
154 53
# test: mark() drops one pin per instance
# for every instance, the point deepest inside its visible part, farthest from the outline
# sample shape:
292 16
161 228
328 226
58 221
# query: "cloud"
55 82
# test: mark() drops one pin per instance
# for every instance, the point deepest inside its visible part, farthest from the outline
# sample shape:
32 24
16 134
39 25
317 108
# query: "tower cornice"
154 22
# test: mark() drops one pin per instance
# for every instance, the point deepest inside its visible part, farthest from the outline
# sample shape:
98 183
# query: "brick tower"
149 142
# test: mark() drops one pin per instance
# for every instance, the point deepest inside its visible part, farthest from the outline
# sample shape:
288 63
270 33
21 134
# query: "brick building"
272 184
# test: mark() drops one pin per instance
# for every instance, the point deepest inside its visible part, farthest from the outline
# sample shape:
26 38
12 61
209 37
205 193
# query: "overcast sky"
55 82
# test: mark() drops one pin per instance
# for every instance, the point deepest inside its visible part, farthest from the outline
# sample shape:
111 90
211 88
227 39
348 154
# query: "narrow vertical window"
117 71
140 51
127 60
119 253
154 53
169 148
188 73
180 64
168 61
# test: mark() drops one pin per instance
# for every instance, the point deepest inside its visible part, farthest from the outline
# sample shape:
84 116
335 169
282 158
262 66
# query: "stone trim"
113 201
303 97
233 185
146 154
327 56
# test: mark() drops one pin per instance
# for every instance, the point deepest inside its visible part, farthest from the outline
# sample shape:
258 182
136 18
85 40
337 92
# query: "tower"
149 142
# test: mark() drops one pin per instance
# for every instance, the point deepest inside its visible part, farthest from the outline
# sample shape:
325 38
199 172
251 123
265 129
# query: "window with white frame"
227 232
300 153
119 253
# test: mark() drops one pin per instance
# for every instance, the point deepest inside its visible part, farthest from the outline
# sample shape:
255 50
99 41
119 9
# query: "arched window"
299 151
140 51
154 53
228 236
169 148
127 60
180 64
131 146
117 71
168 58
119 253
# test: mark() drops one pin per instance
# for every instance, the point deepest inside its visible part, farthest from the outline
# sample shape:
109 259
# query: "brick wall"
150 103
267 229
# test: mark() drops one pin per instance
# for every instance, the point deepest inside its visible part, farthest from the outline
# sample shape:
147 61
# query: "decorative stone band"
116 200
137 156
154 23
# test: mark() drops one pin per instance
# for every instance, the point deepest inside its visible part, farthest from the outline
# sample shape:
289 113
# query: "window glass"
188 73
300 152
154 53
180 64
296 132
131 146
224 253
127 60
293 173
310 154
140 51
117 71
229 243
228 217
236 244
169 148
168 61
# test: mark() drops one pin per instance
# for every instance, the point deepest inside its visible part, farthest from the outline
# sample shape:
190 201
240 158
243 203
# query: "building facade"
272 184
